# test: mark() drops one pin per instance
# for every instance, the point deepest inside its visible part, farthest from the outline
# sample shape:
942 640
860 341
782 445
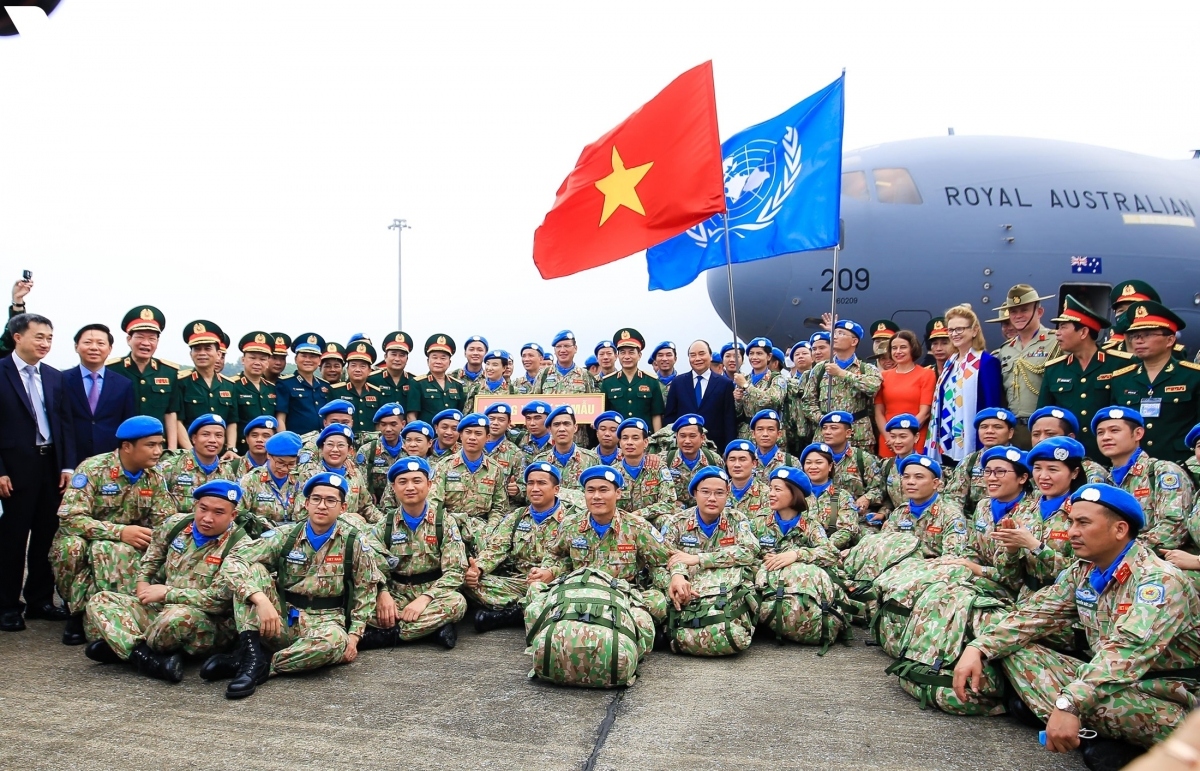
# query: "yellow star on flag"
619 187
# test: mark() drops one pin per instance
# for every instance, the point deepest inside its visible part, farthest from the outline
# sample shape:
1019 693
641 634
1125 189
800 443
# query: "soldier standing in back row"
366 397
300 395
394 377
255 396
153 379
845 383
1023 357
630 391
438 390
204 390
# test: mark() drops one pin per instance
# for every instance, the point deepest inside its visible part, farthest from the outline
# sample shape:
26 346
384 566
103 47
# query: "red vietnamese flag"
649 179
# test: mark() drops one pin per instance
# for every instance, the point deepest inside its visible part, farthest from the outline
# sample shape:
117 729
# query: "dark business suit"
97 434
31 512
716 408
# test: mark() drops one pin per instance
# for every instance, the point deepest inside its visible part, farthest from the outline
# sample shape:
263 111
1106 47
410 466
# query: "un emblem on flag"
759 177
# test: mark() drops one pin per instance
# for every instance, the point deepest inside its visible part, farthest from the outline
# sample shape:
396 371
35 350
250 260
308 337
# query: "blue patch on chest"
297 558
110 489
689 540
579 543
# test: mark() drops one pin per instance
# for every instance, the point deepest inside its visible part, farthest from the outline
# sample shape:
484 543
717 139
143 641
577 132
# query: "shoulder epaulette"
227 378
419 378
369 386
1190 365
1119 354
460 381
1124 370
170 364
184 373
1057 359
341 385
114 360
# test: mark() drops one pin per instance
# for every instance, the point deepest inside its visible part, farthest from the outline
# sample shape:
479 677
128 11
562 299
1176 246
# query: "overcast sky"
241 162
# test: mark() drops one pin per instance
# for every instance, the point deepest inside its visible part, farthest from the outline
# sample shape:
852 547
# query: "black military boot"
1108 754
1021 711
662 641
73 631
222 666
487 620
447 636
254 669
101 653
157 665
375 637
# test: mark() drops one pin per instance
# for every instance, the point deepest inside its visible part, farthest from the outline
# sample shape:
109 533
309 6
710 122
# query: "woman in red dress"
906 388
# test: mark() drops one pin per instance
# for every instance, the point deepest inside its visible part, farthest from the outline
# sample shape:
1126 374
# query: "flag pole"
729 273
833 320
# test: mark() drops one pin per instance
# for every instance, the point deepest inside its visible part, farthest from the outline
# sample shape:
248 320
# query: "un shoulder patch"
1168 481
960 527
79 481
657 535
1151 593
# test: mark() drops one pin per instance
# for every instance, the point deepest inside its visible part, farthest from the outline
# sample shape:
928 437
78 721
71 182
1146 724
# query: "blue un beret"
565 409
1113 498
1117 413
590 362
262 421
729 347
760 342
1061 413
996 413
607 473
801 344
476 339
921 460
611 415
537 407
208 419
388 410
1006 452
600 346
716 358
740 445
285 444
815 336
690 419
328 479
820 447
405 465
475 419
793 476
336 407
707 472
850 326
533 347
139 427
765 415
665 345
451 414
633 423
499 408
218 488
336 429
778 355
1193 436
542 465
904 420
1058 448
499 354
838 416
417 427
563 336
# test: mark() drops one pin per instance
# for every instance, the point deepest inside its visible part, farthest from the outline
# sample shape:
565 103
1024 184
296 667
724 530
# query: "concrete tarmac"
421 707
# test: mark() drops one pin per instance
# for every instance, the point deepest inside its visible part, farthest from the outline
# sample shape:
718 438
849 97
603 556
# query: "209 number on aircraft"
847 279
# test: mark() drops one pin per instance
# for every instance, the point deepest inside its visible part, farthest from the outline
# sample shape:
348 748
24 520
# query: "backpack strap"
348 577
180 526
288 545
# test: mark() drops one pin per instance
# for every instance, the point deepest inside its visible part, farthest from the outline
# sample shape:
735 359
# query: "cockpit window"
895 186
854 184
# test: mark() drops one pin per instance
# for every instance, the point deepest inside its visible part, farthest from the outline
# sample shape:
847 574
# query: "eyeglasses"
322 502
335 445
957 330
997 473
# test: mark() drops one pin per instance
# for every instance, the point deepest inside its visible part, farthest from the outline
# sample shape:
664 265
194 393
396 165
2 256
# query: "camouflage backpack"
586 634
800 603
944 619
873 556
720 622
898 590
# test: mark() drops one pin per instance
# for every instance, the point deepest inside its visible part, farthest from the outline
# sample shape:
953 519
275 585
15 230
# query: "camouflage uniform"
835 511
890 487
1165 493
1142 626
808 539
767 394
753 500
989 553
854 393
675 464
182 473
481 388
521 384
650 495
360 508
1032 569
1192 466
429 560
942 529
513 548
196 616
238 467
477 501
577 380
732 545
264 505
858 473
779 458
580 459
512 461
377 459
311 582
964 485
87 553
796 424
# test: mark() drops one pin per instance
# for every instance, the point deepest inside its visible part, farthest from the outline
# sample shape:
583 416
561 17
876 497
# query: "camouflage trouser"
317 639
123 622
440 611
496 592
473 530
1143 713
82 568
644 615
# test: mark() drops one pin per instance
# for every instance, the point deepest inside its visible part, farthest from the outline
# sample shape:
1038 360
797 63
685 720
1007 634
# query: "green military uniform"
253 400
858 473
1082 389
1170 405
182 472
194 397
366 403
576 380
751 500
636 397
265 503
88 554
1142 627
941 529
152 386
513 548
332 589
476 500
435 396
404 391
197 613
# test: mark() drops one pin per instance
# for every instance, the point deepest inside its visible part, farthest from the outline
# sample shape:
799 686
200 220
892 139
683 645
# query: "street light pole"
399 226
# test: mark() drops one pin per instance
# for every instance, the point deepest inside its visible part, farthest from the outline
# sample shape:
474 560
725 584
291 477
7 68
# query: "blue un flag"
782 193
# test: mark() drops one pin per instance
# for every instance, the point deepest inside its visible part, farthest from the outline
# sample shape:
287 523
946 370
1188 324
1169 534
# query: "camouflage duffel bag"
898 590
720 622
873 556
586 633
946 617
800 603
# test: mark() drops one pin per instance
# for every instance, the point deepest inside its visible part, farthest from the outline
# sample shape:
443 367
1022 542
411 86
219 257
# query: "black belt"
861 414
45 449
417 578
1033 583
304 602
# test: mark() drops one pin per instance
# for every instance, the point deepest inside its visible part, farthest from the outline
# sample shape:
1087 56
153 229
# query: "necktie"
93 392
699 389
39 406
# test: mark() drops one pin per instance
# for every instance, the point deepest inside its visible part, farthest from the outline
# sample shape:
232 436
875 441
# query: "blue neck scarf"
563 372
917 510
438 450
563 459
819 490
253 463
530 378
279 482
392 450
599 528
414 522
634 471
490 447
768 457
1050 505
1100 579
540 442
667 379
786 525
132 477
209 468
339 470
706 528
838 456
541 516
472 465
756 377
1000 509
691 463
472 376
1120 472
494 385
200 539
314 540
739 492
608 460
845 363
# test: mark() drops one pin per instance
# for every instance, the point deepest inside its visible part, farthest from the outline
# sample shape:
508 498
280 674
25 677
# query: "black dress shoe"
100 652
12 621
47 612
73 631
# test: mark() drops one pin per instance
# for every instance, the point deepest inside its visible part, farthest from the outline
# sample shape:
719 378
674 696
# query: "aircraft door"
1094 296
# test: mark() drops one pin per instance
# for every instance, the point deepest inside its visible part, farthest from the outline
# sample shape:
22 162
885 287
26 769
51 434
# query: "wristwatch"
1064 703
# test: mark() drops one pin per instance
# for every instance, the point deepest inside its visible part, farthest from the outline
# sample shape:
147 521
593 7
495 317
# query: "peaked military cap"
334 351
397 340
1131 292
884 329
144 318
628 337
439 342
309 342
257 342
282 343
361 350
1078 313
936 329
1147 314
201 332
